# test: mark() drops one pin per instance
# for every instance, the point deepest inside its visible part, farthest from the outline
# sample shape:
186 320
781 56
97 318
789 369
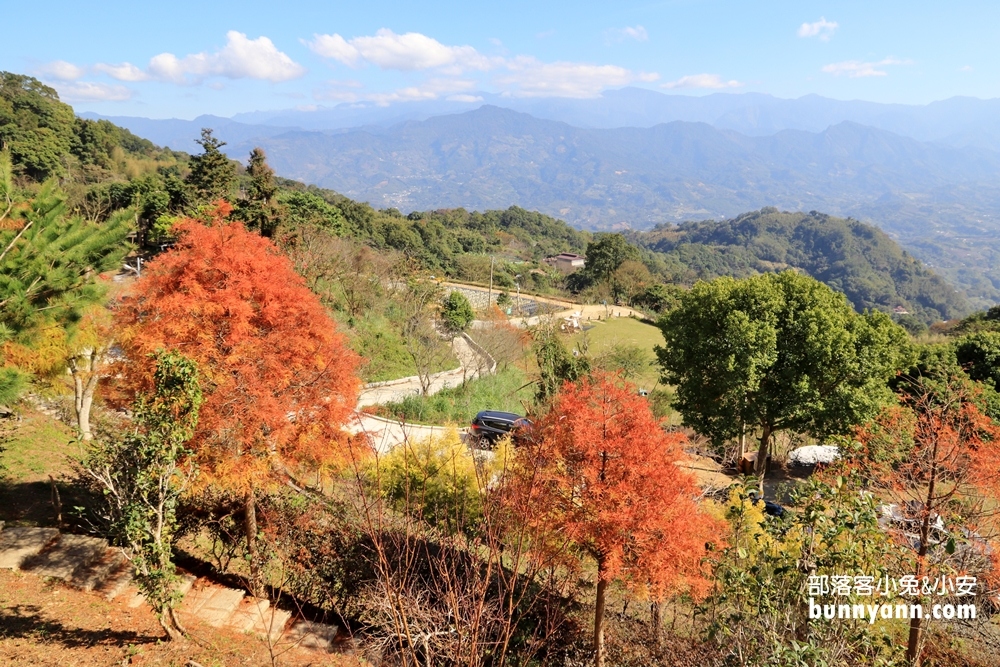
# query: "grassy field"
603 337
384 351
34 447
503 391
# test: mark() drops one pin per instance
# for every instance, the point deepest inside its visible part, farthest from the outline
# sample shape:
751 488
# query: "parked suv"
491 425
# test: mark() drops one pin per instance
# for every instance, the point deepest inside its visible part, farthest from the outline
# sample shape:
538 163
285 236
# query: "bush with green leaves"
456 312
435 480
141 473
758 613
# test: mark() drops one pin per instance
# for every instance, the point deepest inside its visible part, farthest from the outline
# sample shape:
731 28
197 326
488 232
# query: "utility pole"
489 298
517 281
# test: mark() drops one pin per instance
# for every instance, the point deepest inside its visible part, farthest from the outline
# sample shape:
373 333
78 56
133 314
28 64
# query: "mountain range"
927 175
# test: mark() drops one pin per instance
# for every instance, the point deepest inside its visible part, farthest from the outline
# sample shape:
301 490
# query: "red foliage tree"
937 458
279 380
606 478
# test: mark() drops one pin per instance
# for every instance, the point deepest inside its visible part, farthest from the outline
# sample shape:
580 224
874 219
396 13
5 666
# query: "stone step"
273 624
250 612
220 606
93 576
313 635
134 598
196 598
19 543
213 604
117 581
65 556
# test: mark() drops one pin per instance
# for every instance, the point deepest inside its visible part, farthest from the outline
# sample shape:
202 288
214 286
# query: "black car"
491 425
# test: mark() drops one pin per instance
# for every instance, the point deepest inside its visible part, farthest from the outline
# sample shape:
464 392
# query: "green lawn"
604 336
34 447
503 391
384 351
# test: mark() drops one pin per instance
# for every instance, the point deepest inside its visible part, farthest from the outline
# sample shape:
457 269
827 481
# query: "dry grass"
45 624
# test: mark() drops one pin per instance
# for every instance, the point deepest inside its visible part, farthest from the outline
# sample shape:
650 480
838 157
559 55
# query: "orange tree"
279 380
936 460
605 477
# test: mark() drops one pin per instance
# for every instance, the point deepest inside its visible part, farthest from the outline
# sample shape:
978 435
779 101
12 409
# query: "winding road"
385 434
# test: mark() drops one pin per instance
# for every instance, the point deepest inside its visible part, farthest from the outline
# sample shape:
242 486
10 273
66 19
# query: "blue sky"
182 58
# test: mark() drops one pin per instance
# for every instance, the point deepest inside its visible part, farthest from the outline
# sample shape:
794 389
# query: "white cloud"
388 50
638 33
240 58
528 77
520 76
857 69
89 91
822 29
702 81
464 98
61 71
123 72
965 68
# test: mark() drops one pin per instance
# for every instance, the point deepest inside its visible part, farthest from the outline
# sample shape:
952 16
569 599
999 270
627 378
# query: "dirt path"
393 391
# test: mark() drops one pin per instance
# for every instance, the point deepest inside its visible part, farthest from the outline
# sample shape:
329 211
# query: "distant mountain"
958 121
938 200
181 134
849 256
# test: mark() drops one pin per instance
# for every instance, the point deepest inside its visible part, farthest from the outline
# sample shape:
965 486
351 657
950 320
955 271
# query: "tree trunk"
656 620
84 393
761 467
250 528
602 589
916 623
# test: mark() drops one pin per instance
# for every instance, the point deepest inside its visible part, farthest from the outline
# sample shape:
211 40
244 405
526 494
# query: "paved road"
384 434
396 390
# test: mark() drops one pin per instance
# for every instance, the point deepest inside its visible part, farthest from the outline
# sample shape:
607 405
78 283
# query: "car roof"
497 414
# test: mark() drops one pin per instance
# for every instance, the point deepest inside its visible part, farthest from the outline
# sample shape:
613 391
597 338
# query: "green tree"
49 261
979 356
556 365
213 175
35 126
260 209
48 265
456 311
143 473
777 352
606 254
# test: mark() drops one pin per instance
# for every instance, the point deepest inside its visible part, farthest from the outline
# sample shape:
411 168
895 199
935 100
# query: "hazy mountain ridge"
941 202
957 121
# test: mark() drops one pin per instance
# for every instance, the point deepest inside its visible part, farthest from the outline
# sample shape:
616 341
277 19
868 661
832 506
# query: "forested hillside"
850 256
104 168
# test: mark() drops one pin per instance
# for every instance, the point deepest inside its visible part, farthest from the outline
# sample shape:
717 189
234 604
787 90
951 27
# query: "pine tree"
259 209
49 263
213 175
